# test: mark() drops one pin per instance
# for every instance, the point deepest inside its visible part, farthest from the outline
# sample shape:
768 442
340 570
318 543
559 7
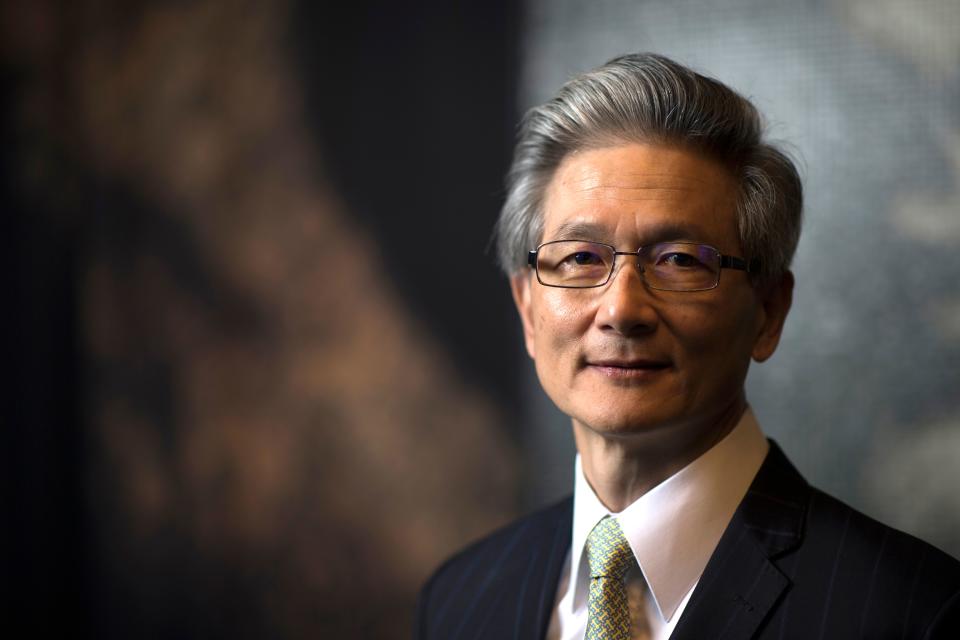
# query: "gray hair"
651 99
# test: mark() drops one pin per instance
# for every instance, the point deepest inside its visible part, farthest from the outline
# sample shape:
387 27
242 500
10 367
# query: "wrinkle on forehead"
631 194
643 194
590 183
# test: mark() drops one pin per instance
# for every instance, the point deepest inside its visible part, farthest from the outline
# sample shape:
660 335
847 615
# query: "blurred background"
262 373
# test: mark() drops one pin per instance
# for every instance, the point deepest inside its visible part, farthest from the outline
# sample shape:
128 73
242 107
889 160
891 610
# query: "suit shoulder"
893 566
530 548
834 533
833 518
516 536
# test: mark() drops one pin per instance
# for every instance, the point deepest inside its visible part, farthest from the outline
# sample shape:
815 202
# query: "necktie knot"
608 552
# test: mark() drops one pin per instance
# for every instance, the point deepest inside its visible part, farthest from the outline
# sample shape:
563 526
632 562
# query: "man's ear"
776 301
520 287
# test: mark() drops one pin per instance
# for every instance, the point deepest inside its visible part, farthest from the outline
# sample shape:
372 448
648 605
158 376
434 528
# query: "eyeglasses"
666 266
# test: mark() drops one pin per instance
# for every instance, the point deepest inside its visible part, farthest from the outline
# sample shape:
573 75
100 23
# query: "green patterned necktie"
609 555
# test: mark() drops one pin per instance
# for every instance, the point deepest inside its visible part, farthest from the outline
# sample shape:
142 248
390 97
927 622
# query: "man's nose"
625 302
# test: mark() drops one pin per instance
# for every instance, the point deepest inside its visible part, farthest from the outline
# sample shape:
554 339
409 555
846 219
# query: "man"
648 232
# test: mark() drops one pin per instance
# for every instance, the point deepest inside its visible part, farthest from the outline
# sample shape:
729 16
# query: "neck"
621 468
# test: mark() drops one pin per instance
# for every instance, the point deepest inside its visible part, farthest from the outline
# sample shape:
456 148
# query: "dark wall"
43 516
414 105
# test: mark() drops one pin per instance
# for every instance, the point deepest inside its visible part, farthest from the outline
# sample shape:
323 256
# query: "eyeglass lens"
673 266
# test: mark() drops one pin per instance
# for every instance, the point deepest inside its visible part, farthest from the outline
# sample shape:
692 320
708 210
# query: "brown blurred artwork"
275 446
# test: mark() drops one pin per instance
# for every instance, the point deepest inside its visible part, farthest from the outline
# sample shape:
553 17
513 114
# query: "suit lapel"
741 583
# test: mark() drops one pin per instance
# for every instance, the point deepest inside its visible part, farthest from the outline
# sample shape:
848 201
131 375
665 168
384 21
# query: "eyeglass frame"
726 262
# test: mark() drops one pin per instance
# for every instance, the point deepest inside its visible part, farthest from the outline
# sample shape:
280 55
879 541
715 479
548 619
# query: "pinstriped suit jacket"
793 563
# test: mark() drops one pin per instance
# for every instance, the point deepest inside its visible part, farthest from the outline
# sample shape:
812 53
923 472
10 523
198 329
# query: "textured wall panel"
864 393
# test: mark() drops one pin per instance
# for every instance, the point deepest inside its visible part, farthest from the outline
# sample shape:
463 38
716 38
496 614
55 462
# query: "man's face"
624 358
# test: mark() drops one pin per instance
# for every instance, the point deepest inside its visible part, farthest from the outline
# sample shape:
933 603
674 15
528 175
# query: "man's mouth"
628 368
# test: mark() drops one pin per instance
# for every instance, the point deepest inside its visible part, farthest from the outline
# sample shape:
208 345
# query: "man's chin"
623 425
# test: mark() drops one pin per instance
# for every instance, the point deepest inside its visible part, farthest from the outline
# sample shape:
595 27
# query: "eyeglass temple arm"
732 262
532 259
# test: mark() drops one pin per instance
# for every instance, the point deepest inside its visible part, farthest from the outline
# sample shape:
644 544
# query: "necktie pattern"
609 556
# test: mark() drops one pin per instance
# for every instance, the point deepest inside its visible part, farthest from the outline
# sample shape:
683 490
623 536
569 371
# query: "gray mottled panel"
864 393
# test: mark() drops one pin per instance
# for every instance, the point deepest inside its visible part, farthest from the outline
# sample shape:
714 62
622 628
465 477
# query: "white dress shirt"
672 530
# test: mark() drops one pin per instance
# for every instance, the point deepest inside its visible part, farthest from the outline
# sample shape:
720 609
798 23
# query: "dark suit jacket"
793 563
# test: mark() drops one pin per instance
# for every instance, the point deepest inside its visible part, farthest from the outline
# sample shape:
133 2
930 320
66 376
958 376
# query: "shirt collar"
674 528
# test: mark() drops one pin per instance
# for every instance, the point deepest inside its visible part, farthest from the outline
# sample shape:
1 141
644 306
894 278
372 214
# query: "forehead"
641 192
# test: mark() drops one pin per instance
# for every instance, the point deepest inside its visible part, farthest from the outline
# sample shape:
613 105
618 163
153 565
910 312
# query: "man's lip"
629 364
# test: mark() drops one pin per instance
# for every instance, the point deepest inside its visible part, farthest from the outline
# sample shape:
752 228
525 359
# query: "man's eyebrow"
600 233
672 231
581 231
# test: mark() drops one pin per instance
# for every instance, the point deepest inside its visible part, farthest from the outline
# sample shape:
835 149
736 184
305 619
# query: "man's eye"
583 258
680 260
586 257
